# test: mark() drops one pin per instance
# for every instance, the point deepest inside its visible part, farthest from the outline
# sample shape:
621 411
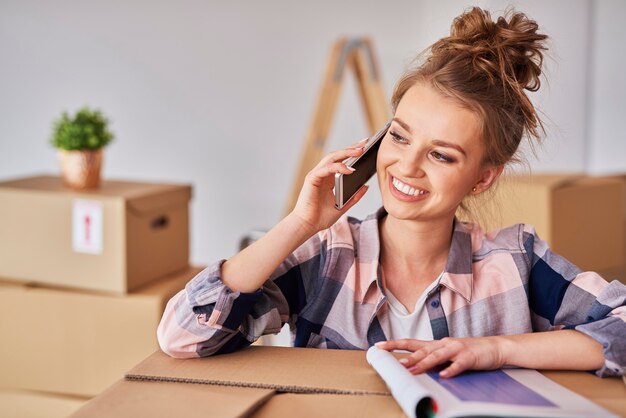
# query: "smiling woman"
412 275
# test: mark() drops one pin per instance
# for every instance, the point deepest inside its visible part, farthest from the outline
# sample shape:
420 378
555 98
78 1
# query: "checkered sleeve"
208 318
563 296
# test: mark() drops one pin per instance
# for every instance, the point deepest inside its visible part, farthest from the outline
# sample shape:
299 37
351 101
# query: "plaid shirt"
330 292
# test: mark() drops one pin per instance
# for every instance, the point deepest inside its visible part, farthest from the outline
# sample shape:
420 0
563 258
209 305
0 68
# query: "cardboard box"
331 379
284 369
619 272
329 405
166 399
116 238
580 217
304 382
77 342
14 403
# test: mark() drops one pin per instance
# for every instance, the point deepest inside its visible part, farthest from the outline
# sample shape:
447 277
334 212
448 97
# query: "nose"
412 162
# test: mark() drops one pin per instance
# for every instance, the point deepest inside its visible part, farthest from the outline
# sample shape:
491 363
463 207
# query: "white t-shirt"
399 323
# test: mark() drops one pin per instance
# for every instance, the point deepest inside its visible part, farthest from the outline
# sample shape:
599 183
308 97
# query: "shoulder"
350 231
517 238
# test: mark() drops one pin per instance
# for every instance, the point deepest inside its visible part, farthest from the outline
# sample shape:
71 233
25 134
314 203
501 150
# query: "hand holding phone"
346 185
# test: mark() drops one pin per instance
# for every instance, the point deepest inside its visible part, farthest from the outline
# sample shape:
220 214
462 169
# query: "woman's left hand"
481 353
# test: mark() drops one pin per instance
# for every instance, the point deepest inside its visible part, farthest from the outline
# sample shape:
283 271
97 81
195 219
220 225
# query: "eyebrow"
438 142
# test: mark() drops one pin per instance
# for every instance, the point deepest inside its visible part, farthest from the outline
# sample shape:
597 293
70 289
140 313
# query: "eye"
397 138
441 157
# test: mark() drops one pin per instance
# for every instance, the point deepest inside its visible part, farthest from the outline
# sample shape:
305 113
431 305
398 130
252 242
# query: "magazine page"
506 392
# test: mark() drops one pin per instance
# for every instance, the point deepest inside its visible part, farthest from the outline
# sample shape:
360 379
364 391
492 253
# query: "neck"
415 245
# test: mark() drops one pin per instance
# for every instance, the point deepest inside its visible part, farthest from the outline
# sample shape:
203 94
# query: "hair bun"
509 49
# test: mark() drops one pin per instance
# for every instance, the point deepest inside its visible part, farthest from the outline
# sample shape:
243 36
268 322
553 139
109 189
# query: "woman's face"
431 157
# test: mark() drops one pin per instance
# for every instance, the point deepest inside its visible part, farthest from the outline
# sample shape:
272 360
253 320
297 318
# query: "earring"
474 189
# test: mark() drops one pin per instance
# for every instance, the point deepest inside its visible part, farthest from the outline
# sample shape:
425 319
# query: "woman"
412 276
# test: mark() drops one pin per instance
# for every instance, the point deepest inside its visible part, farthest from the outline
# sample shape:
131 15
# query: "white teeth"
405 188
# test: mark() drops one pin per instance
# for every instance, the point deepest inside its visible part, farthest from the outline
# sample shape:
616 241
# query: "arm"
560 295
314 211
556 350
232 303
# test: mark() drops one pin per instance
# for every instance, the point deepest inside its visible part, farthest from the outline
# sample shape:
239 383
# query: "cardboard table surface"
314 405
296 370
253 382
166 399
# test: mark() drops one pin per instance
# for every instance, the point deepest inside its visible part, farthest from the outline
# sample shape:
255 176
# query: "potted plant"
80 141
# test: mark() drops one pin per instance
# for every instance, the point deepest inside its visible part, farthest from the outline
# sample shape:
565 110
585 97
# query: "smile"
406 189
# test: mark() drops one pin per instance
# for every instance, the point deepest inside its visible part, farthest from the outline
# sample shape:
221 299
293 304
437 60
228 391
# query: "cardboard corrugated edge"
284 369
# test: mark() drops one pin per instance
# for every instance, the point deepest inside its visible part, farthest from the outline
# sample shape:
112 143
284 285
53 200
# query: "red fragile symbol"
87 229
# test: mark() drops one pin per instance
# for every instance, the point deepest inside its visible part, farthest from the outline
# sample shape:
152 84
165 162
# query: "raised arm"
314 211
232 303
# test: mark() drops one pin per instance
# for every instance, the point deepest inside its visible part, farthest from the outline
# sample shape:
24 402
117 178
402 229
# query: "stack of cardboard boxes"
85 276
84 279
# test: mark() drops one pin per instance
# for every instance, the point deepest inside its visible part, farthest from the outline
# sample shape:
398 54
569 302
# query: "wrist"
505 348
299 226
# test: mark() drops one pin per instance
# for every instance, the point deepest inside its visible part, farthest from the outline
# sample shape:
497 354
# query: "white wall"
220 94
607 101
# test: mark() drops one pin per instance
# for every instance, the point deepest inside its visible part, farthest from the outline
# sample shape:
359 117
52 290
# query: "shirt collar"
369 249
457 275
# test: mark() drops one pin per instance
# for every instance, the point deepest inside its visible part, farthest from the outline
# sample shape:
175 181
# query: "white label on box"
87 226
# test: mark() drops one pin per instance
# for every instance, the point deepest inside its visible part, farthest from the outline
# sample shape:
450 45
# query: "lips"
404 191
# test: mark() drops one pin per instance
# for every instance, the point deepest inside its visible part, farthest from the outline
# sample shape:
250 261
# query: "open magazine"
508 393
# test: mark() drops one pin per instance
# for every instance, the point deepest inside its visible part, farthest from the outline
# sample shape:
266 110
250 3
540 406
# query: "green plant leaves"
87 130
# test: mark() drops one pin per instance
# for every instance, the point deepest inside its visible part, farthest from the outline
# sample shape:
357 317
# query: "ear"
488 176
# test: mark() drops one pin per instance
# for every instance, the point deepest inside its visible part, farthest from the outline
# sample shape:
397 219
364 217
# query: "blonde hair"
486 66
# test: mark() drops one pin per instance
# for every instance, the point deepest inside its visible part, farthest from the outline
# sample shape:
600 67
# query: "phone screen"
364 169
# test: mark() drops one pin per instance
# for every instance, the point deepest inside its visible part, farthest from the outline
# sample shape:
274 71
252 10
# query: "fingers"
425 359
322 173
360 143
332 164
454 369
429 354
405 344
342 154
456 354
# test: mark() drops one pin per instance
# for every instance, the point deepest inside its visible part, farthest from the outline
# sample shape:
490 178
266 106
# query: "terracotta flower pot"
81 169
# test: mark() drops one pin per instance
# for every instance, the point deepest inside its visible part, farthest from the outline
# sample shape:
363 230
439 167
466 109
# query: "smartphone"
346 185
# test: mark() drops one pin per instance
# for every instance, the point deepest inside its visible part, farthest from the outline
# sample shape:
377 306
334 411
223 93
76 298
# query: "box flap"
285 369
312 405
158 200
161 399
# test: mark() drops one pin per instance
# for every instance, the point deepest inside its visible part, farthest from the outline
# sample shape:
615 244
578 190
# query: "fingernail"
379 344
363 140
359 148
404 360
350 168
444 373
